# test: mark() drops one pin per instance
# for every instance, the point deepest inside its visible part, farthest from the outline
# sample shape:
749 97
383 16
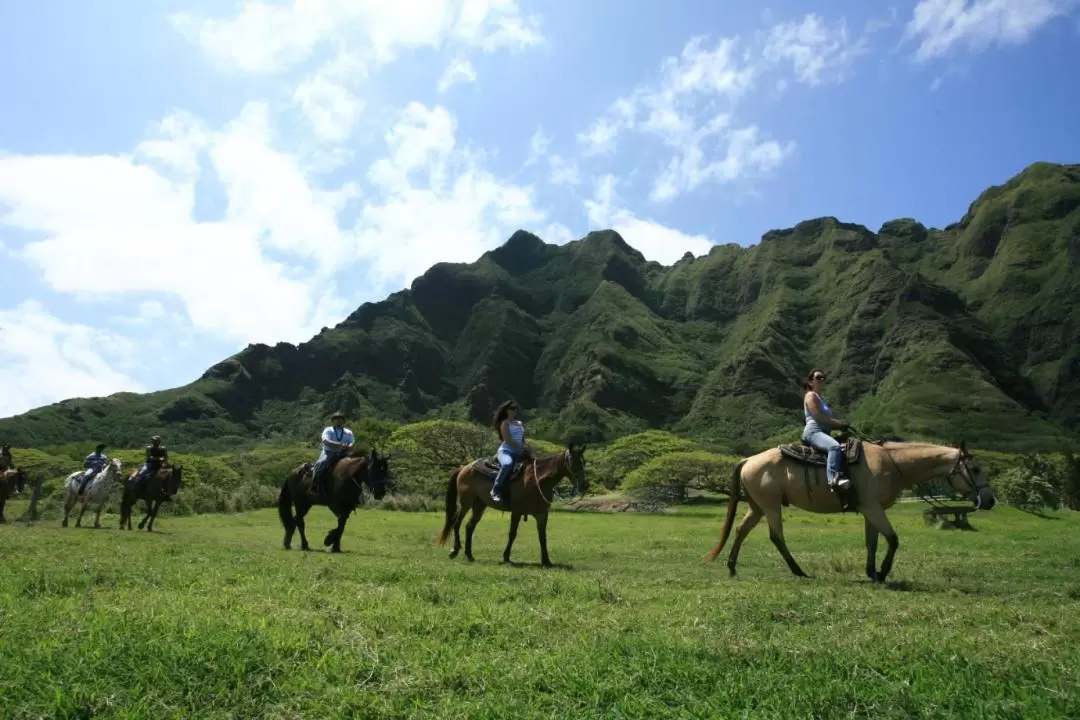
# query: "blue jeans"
827 444
506 463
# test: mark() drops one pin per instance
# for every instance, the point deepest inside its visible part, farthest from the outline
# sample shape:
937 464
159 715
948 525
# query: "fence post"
32 511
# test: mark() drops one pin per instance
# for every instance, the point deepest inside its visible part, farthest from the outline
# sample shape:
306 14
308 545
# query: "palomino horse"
341 493
97 491
773 478
156 489
10 480
470 489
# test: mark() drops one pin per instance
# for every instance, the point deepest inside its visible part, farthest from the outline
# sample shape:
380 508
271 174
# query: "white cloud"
43 359
329 98
538 147
654 240
691 108
818 52
563 172
115 212
460 70
437 203
267 37
941 25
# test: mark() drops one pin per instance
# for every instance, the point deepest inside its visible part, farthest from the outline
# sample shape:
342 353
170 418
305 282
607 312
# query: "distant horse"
788 475
341 492
156 489
97 491
10 480
470 485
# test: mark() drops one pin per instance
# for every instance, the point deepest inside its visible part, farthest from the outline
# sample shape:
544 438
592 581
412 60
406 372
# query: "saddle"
807 454
490 466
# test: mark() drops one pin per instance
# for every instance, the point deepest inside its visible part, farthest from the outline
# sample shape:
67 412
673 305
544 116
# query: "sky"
181 178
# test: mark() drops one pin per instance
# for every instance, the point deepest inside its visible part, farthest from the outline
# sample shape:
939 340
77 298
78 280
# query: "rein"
961 462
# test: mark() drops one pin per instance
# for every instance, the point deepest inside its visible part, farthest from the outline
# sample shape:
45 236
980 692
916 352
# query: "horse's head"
175 481
576 455
968 478
378 467
117 465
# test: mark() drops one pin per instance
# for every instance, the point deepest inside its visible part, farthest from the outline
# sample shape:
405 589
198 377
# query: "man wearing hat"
156 457
94 463
337 440
6 461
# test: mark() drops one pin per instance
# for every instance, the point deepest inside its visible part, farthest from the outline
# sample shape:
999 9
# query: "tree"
1033 483
670 476
425 453
628 453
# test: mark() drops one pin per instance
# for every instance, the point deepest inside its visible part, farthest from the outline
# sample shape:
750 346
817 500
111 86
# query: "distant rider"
94 463
157 455
337 440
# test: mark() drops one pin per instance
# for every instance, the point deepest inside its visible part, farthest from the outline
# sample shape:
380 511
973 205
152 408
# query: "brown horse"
156 489
11 481
531 491
776 477
341 493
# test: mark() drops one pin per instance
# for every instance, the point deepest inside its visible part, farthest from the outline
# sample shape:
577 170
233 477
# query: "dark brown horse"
11 481
156 489
531 490
341 492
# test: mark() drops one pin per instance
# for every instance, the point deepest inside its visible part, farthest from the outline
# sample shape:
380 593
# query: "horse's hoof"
286 546
305 548
470 558
453 554
335 549
506 560
63 524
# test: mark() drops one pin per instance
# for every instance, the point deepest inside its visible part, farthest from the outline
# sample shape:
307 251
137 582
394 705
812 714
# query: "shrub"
1033 483
669 477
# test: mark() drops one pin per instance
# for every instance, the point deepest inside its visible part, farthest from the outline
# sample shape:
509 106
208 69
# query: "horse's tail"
733 501
451 506
284 504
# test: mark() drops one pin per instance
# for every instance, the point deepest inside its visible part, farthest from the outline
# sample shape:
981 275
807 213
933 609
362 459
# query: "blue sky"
181 178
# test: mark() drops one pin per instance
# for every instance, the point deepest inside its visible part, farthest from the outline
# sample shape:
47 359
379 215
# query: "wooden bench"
937 514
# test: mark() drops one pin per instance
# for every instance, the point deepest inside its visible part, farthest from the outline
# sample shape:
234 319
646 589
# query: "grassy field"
209 618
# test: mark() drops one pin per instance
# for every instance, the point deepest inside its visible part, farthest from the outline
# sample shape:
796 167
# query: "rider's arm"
329 440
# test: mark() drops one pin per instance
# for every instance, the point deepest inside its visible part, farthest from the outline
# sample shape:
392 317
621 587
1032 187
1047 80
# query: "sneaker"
495 496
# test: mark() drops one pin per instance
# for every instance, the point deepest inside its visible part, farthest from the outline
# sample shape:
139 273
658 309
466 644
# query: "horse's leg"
462 511
871 548
82 511
477 513
541 532
776 534
301 506
515 518
875 515
749 522
68 504
153 514
146 514
338 532
97 516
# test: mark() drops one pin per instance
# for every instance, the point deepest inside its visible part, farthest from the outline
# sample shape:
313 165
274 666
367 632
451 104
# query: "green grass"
209 618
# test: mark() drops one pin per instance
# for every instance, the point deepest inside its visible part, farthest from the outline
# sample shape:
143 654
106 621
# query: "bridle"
961 466
565 457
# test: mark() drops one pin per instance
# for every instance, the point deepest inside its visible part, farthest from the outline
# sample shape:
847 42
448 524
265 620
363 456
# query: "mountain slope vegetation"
971 331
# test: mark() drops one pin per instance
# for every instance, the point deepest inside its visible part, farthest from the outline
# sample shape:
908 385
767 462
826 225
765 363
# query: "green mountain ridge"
967 332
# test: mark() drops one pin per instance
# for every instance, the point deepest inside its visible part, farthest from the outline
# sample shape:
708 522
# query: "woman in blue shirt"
819 421
512 434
